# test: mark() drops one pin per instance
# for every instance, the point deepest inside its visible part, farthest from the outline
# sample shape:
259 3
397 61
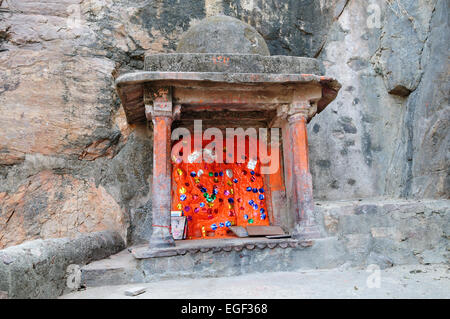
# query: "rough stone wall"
43 268
387 134
62 126
402 231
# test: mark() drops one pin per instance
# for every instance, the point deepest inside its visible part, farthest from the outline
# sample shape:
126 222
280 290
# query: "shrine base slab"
384 232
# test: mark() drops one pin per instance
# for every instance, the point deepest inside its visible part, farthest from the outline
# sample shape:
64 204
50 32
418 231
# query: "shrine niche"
216 195
227 82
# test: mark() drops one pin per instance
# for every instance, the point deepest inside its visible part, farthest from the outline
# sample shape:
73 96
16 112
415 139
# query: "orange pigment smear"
209 215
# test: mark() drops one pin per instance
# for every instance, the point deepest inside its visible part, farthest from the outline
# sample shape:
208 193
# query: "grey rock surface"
387 132
382 261
426 125
388 231
406 27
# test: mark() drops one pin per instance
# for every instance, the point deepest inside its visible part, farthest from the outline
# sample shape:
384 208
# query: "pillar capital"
297 110
158 102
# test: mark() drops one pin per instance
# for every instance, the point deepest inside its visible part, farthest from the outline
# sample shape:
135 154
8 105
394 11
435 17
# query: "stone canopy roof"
219 54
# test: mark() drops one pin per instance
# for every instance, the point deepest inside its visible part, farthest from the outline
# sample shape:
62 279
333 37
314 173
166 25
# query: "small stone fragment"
135 291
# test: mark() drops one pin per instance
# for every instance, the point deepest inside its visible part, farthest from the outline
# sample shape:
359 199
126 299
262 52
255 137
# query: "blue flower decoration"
231 200
193 174
262 210
245 216
261 190
221 225
202 204
251 202
213 226
249 189
228 224
263 216
235 180
252 172
255 190
183 197
261 196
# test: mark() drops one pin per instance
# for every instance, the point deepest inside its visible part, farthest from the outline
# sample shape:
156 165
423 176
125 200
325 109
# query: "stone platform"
356 233
209 261
217 245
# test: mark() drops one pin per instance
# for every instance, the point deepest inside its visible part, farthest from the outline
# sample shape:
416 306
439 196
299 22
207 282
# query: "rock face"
49 205
64 140
392 59
388 231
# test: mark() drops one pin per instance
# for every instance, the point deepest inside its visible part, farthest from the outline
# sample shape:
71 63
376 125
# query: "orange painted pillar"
296 162
161 236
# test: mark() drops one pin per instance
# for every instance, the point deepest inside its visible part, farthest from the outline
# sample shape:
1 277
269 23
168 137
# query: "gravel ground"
410 281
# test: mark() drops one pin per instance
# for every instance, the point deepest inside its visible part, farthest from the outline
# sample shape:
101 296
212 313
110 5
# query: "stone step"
123 268
117 269
385 232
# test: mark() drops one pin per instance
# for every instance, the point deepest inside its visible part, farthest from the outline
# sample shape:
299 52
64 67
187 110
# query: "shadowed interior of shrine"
217 193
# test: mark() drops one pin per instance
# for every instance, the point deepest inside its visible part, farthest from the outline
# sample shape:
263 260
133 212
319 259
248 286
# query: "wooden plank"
239 231
264 230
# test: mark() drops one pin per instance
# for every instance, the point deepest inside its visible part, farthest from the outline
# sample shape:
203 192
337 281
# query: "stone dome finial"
222 34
